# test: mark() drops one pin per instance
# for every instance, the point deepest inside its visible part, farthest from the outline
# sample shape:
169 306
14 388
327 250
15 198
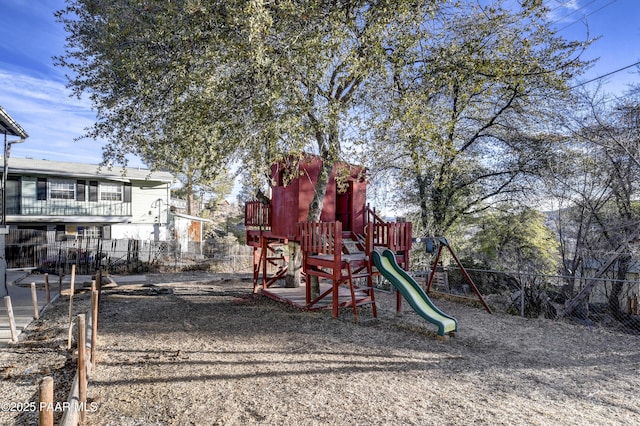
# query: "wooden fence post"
94 326
73 277
46 287
72 290
99 278
34 301
99 284
12 320
82 368
45 402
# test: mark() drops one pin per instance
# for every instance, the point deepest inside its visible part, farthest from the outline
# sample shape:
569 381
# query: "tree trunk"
293 277
423 191
583 294
439 213
315 208
621 275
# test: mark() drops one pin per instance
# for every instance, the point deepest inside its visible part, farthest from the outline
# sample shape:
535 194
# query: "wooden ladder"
361 295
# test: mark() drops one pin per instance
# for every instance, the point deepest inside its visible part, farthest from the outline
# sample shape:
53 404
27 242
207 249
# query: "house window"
93 190
62 189
127 193
80 190
41 189
90 231
106 232
110 191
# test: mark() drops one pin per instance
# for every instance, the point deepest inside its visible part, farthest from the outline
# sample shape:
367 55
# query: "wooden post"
82 368
34 301
99 284
72 290
45 402
73 278
94 325
12 320
60 280
129 254
46 287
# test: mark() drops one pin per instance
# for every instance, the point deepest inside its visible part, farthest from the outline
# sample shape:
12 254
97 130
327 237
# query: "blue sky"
617 24
33 91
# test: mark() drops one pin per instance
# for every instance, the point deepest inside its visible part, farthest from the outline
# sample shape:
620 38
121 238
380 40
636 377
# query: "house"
84 200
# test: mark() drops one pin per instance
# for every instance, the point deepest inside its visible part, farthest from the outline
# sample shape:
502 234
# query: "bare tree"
462 126
599 184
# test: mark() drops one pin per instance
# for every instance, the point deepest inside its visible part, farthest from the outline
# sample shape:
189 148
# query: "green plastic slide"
413 293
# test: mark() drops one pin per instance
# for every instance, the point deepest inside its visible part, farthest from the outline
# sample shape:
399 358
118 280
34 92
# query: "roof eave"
8 125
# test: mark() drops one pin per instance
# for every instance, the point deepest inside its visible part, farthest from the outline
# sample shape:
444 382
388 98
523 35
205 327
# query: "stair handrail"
372 216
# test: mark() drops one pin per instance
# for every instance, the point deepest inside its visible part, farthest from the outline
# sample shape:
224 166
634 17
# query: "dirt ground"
197 349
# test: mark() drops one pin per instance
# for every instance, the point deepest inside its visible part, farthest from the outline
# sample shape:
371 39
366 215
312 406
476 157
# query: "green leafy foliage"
516 240
461 125
597 189
195 84
156 75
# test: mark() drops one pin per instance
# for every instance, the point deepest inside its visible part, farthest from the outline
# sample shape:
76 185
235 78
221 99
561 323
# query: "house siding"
146 206
31 205
134 214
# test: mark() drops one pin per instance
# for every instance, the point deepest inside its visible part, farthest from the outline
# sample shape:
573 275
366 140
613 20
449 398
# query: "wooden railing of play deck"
372 216
395 236
320 237
257 214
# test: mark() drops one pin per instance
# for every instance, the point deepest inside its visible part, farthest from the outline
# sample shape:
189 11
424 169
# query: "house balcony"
49 208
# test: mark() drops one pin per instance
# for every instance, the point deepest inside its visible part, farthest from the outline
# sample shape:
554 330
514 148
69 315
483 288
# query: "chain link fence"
231 257
611 303
47 252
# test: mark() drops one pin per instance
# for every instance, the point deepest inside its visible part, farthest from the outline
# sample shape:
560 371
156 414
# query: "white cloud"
51 117
564 11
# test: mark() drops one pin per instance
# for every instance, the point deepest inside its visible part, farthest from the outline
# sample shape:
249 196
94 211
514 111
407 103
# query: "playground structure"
337 249
442 243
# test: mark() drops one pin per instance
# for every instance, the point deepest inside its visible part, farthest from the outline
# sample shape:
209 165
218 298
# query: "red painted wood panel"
290 203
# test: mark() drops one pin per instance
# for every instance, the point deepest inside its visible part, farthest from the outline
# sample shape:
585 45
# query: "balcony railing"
70 208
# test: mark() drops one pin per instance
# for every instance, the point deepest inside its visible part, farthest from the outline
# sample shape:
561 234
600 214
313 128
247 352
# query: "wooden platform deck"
296 296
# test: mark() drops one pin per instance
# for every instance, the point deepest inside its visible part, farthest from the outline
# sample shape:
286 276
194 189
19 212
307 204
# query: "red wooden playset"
337 249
